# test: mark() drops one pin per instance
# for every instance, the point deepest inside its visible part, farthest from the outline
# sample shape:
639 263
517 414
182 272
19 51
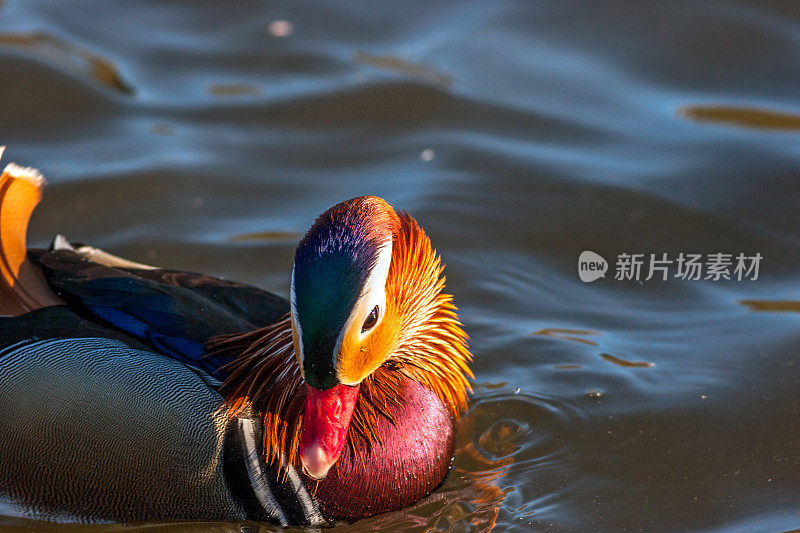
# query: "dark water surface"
193 135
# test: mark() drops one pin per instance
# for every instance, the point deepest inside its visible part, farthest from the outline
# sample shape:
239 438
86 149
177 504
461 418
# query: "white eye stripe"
373 294
296 330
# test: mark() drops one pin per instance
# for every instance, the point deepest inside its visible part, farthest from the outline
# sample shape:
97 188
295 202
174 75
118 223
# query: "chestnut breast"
410 462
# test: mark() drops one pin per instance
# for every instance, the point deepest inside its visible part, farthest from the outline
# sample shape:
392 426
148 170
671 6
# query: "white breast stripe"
257 475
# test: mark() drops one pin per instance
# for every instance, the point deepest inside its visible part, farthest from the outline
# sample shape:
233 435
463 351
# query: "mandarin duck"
134 393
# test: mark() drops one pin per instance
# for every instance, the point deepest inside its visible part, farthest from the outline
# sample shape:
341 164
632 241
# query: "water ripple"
70 57
501 429
403 66
744 117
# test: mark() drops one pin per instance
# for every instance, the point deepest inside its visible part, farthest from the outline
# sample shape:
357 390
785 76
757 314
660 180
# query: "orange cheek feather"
357 360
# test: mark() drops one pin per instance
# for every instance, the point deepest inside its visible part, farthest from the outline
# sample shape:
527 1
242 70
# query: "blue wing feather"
173 312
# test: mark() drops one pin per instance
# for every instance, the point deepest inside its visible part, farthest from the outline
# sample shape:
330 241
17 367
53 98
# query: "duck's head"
345 324
368 311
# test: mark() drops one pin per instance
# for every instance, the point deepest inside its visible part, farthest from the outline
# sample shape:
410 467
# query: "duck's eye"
371 320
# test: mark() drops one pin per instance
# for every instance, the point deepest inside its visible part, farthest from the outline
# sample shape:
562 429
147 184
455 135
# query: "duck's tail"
22 285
